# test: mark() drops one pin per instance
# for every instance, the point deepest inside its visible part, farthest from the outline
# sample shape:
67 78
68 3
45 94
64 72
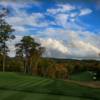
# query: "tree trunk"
4 58
30 65
36 65
4 63
24 65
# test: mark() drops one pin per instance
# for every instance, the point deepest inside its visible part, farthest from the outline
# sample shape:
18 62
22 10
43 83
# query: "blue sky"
68 29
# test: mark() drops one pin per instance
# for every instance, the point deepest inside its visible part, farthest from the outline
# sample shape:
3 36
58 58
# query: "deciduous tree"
6 31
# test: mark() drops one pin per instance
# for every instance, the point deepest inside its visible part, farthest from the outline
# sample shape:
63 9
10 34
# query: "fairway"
14 86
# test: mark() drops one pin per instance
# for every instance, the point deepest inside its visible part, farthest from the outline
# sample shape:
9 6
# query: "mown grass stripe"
46 83
18 83
40 82
27 80
36 84
27 83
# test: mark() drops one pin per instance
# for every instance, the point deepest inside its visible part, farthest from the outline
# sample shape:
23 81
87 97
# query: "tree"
35 58
5 34
28 49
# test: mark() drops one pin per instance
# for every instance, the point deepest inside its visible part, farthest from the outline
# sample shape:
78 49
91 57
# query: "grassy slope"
83 76
14 85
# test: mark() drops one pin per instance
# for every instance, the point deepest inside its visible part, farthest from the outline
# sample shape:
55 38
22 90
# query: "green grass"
16 95
14 86
83 76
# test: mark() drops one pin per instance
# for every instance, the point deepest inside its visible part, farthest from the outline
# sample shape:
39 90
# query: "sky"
66 28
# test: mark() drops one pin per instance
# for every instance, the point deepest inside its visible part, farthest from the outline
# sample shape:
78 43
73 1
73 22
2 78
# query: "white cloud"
25 19
73 14
54 44
14 4
64 13
66 7
84 49
85 11
62 19
21 17
11 45
73 45
20 29
61 8
54 48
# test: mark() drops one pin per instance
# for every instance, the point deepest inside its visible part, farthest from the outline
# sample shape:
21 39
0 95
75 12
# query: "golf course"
14 86
49 49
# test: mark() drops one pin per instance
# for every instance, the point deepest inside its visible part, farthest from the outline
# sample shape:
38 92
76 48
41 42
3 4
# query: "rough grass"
14 86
